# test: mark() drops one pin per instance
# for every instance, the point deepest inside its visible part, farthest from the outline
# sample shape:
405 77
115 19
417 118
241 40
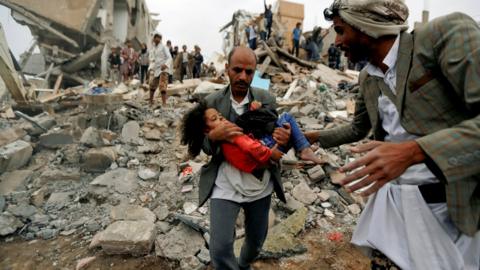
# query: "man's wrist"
418 156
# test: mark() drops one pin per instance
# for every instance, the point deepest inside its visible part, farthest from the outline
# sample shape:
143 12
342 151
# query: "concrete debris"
127 237
14 155
9 224
132 212
281 240
99 159
121 180
91 137
179 243
14 181
55 139
303 193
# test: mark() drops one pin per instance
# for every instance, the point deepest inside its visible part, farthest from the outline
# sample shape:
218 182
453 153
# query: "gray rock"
58 200
307 109
132 212
179 243
282 239
163 227
47 233
304 194
354 209
40 220
131 132
191 263
292 205
55 140
44 120
127 237
23 210
91 137
59 223
121 180
316 174
161 212
99 159
14 155
9 224
13 181
148 173
204 256
57 175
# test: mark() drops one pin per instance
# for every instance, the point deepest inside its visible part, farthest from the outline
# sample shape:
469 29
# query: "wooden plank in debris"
274 57
264 66
56 88
289 103
10 76
51 97
301 62
290 90
187 84
350 104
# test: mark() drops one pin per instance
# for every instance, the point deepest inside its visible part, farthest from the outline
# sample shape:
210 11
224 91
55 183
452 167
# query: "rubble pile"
111 169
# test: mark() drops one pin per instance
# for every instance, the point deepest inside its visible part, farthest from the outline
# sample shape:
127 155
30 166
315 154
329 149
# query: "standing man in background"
297 33
268 15
159 68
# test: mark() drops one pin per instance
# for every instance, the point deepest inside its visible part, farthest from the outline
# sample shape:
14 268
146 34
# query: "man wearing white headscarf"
420 97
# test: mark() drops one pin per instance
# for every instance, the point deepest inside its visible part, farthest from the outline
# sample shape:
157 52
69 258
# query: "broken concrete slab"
307 109
121 180
91 137
303 193
23 211
14 155
128 237
316 174
55 140
282 239
58 200
13 181
131 133
99 159
191 263
9 224
9 135
132 212
57 175
44 120
179 243
161 212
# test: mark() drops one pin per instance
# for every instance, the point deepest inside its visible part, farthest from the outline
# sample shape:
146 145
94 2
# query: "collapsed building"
75 37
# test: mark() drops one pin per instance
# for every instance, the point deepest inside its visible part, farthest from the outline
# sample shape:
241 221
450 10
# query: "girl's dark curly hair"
193 125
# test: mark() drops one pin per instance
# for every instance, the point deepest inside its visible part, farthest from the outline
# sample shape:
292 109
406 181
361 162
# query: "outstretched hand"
383 162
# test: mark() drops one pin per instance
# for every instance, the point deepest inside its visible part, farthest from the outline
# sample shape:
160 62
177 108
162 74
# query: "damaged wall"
71 34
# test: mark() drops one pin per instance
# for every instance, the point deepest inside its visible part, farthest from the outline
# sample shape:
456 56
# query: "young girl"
244 152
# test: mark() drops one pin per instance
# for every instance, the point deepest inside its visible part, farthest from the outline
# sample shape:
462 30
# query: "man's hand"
383 163
282 134
226 132
164 67
276 154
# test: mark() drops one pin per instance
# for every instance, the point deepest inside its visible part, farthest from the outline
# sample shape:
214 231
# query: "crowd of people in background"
126 63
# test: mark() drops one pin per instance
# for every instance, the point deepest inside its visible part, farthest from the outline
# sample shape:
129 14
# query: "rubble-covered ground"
102 182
